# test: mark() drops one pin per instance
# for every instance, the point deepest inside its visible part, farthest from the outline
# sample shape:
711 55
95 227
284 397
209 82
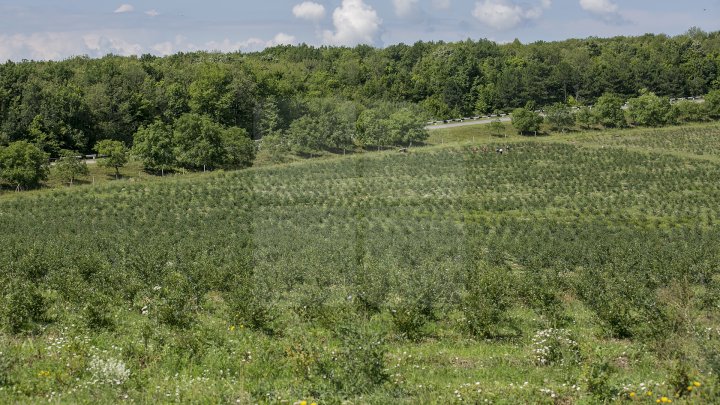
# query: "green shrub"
489 294
24 307
176 301
98 311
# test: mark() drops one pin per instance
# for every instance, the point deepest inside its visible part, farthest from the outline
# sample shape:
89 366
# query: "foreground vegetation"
571 269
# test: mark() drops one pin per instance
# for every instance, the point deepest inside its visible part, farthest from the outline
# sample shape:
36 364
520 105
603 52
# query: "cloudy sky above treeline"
51 29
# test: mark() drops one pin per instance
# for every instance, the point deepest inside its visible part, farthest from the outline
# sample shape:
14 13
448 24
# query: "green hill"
579 268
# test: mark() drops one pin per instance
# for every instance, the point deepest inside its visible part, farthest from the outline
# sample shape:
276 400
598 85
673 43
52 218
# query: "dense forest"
308 98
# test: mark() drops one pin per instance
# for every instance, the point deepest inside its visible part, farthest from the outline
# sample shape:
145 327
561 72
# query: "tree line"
305 99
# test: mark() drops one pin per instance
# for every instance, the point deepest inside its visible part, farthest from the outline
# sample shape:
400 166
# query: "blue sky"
51 29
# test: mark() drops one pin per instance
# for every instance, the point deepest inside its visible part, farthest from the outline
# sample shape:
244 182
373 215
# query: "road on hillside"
465 123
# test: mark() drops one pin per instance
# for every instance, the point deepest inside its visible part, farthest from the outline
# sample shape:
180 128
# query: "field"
580 268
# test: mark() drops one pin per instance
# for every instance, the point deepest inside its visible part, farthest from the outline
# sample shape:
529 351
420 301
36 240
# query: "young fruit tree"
116 154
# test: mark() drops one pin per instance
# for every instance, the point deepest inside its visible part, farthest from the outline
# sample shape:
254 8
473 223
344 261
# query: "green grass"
362 278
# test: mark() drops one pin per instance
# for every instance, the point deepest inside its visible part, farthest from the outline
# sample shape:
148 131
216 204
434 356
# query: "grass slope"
574 269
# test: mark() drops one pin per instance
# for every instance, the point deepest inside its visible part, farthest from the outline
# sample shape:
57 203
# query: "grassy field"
576 268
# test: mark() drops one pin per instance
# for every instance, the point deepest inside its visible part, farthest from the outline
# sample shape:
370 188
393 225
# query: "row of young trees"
613 111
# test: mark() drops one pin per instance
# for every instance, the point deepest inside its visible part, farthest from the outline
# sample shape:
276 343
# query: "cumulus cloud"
152 13
600 7
404 8
61 45
506 14
282 39
441 4
252 44
125 8
99 44
355 23
310 11
604 9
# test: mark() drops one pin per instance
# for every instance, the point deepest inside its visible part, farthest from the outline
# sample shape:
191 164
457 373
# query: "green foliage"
200 143
689 111
23 307
608 110
489 294
115 152
279 283
560 117
585 118
23 165
649 110
69 167
154 145
526 121
712 104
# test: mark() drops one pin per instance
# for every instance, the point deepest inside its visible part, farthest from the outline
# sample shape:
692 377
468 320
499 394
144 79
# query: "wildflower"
44 373
690 388
303 402
696 383
632 395
232 328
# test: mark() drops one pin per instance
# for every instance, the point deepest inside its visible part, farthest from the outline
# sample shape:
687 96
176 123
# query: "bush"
356 366
23 307
176 301
488 296
555 347
526 121
98 311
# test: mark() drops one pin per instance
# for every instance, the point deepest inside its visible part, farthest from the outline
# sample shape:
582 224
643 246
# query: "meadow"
577 268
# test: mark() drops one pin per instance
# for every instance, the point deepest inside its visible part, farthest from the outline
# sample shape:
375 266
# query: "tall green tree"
70 166
154 145
23 165
406 126
115 154
198 142
238 148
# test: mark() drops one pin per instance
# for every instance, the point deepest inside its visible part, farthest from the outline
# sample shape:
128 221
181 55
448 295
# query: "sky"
56 30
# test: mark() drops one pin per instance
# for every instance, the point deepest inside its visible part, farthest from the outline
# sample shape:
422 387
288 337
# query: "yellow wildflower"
303 402
649 393
232 328
632 395
44 373
697 383
690 388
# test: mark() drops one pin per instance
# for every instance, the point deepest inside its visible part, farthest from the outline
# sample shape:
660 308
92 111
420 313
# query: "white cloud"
355 23
152 13
404 8
252 44
282 39
99 45
603 8
60 45
125 8
310 11
506 14
441 4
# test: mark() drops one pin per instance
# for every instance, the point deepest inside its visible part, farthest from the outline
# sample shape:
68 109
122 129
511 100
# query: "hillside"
570 269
